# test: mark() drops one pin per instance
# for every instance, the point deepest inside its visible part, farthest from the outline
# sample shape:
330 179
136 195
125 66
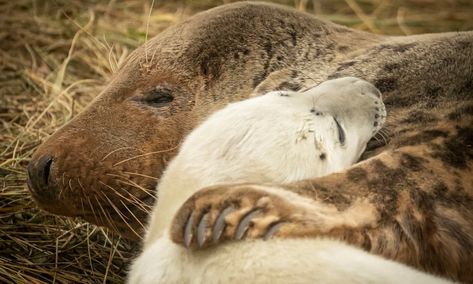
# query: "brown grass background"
56 56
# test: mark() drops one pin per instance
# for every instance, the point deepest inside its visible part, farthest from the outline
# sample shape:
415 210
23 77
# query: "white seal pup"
279 137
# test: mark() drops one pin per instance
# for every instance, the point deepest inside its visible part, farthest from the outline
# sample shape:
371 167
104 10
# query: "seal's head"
285 136
351 112
103 165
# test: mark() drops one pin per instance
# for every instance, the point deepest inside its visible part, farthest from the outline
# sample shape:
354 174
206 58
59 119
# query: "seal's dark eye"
341 133
158 97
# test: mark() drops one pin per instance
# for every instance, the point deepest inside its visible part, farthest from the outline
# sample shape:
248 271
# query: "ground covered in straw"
56 56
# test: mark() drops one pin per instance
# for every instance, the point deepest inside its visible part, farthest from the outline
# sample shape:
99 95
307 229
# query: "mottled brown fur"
419 184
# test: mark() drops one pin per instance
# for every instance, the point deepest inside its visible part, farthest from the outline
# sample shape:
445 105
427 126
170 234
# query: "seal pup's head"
286 136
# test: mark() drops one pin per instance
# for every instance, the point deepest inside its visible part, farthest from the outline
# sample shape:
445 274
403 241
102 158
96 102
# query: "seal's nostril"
42 170
39 173
46 171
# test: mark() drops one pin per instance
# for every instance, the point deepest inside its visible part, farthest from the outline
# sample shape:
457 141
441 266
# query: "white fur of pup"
280 137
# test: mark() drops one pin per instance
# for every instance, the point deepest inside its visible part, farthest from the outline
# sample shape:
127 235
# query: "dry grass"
56 56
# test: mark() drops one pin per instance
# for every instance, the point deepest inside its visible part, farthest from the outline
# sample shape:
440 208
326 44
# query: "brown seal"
103 165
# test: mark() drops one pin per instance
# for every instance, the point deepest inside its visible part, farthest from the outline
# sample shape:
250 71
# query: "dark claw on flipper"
201 230
188 232
245 222
272 230
220 224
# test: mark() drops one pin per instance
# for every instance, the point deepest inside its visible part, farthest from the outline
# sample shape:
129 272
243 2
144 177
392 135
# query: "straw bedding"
56 56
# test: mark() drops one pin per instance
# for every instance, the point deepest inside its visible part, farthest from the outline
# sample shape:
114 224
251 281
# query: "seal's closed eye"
341 133
158 97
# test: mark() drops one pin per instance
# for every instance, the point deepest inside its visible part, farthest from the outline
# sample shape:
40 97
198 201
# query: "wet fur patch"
455 230
457 150
412 163
386 84
419 116
356 174
461 112
399 102
390 67
422 137
432 96
387 195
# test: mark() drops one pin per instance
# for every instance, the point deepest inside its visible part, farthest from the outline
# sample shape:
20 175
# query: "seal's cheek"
104 166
